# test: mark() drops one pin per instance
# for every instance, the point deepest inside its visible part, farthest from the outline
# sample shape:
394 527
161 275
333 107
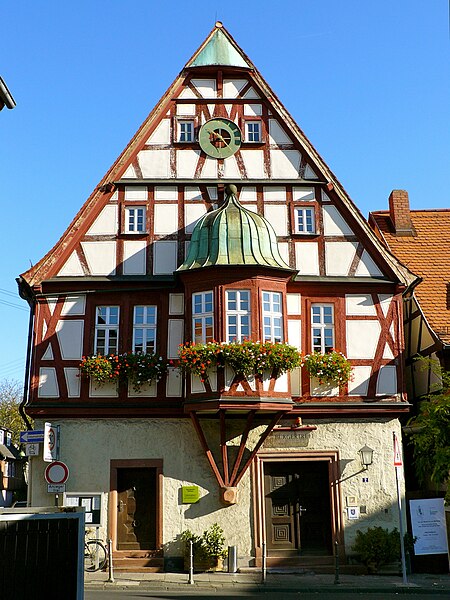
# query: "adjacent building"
220 222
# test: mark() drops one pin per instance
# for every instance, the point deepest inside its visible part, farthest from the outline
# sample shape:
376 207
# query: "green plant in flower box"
101 368
245 358
140 368
332 367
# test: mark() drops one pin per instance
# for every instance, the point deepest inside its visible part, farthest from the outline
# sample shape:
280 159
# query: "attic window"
304 219
135 219
253 131
185 131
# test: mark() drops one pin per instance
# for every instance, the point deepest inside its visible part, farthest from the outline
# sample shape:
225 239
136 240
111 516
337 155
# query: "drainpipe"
32 304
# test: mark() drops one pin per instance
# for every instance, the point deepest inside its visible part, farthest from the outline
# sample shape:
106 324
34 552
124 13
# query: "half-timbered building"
220 221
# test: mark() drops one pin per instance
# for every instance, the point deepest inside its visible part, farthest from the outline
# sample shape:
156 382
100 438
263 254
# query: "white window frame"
109 328
133 219
304 211
203 317
147 327
239 315
272 318
181 135
322 327
250 135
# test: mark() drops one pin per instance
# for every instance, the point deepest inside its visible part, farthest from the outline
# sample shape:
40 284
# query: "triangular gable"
153 155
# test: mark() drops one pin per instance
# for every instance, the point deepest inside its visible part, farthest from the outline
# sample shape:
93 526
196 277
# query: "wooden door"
136 509
297 498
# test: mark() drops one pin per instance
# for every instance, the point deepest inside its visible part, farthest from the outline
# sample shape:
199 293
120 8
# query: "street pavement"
291 583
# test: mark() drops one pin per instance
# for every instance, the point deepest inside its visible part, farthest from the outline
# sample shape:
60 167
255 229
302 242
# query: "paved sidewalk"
306 582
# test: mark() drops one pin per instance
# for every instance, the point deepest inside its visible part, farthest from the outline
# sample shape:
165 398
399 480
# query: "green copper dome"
233 236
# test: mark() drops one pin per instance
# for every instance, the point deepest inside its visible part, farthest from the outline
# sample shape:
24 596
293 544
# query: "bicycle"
95 555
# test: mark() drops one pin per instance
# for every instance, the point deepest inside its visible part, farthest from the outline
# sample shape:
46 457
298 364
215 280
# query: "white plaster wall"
166 219
277 134
164 257
187 163
74 305
205 87
72 267
48 384
367 267
192 213
232 87
135 193
161 135
70 338
254 163
134 257
307 258
154 163
88 446
101 257
359 304
274 194
339 257
362 338
106 222
285 163
277 216
334 223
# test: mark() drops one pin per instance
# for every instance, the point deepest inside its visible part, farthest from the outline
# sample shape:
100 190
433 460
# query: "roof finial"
219 24
231 190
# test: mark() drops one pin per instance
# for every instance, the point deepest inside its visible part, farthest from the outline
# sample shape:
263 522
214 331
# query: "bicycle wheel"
95 555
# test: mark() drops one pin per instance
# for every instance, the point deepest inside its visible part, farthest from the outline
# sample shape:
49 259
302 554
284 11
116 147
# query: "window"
202 317
144 329
186 131
253 131
135 219
322 325
106 330
272 317
238 315
304 219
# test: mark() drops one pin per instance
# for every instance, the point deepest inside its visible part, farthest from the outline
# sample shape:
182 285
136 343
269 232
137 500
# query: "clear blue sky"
368 82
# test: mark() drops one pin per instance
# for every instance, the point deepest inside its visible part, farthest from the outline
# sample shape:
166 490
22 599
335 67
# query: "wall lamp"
366 454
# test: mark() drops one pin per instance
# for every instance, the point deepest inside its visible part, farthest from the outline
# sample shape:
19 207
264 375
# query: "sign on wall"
428 526
51 442
92 503
190 494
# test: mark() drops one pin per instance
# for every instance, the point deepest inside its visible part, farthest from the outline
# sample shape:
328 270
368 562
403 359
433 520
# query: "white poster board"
428 526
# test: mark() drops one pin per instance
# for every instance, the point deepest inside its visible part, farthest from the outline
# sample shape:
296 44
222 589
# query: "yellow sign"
190 494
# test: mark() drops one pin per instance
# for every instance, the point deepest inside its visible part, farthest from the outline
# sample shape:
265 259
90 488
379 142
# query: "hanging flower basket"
245 358
102 369
332 367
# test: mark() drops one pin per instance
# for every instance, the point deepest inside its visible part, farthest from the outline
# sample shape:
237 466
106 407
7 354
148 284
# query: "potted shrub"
377 546
209 548
332 367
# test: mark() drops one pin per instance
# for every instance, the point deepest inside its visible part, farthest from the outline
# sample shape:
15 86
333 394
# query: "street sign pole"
398 464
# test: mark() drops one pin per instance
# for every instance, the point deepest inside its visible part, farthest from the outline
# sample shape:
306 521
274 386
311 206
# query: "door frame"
259 513
134 463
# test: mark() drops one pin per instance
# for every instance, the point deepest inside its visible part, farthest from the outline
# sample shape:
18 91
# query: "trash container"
232 559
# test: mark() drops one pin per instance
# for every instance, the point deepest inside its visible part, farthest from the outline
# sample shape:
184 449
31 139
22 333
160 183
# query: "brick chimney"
400 213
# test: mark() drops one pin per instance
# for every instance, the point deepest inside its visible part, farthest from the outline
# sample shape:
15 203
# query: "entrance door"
297 498
136 509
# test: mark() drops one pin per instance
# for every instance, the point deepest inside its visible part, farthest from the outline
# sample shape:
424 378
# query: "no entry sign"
57 472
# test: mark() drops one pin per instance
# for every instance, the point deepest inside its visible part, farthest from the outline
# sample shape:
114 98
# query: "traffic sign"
56 488
34 436
31 449
57 472
51 442
398 460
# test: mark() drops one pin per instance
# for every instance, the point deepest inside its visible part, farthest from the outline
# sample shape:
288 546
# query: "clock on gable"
220 138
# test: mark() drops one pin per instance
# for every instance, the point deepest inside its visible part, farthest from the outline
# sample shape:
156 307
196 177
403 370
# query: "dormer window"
202 317
253 131
304 219
185 131
135 219
238 315
272 314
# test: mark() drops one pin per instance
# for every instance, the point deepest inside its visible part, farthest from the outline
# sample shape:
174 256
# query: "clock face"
220 138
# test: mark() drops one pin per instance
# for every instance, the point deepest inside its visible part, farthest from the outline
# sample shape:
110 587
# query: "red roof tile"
428 255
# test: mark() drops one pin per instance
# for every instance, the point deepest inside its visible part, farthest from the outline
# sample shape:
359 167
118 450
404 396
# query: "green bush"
377 546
